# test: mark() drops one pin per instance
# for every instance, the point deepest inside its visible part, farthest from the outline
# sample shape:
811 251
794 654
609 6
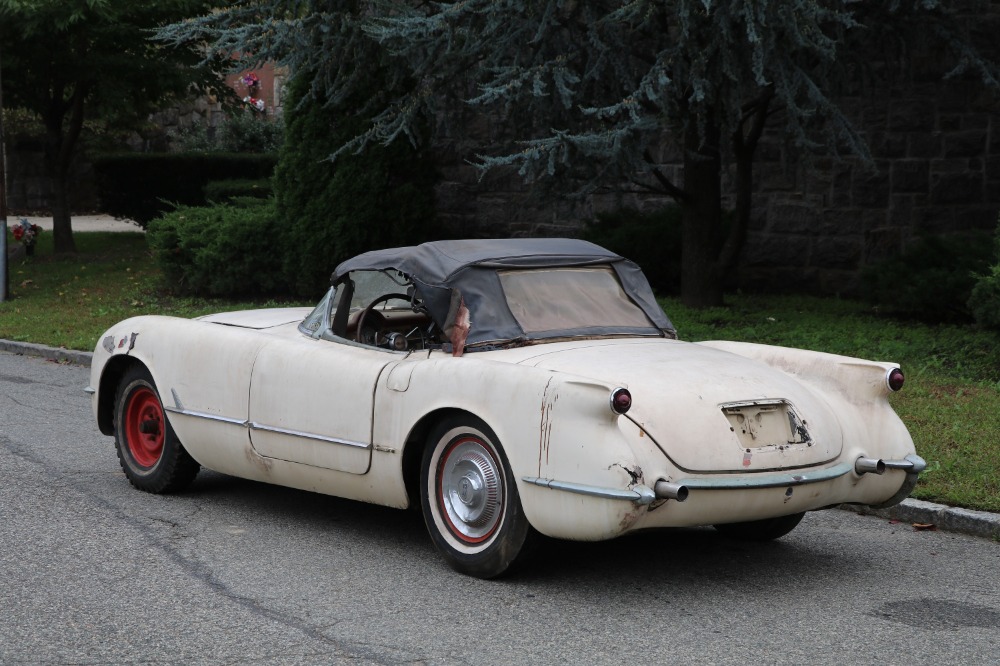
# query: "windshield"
369 285
570 299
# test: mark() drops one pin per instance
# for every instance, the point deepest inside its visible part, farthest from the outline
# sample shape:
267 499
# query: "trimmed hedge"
652 240
985 298
223 250
143 186
932 280
224 191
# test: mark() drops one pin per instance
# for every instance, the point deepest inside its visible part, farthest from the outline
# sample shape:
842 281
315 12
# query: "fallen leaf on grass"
27 282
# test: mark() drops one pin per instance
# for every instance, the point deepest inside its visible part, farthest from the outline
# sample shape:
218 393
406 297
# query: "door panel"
311 403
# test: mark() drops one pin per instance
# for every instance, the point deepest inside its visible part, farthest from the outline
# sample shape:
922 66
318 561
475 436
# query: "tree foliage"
331 212
66 60
586 93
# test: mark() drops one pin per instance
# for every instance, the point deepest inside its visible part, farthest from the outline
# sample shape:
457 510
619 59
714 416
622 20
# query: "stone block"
871 191
924 144
840 189
992 165
881 244
776 250
786 216
837 252
910 176
908 116
957 188
949 122
971 143
890 145
976 121
934 220
838 222
993 191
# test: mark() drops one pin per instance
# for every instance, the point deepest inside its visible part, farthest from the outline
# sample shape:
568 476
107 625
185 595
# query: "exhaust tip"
865 465
668 490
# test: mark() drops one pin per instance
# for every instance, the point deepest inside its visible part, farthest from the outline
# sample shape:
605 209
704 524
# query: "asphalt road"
234 572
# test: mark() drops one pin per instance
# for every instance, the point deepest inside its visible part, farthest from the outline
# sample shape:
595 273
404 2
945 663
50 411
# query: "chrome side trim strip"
266 428
205 415
308 435
765 480
640 494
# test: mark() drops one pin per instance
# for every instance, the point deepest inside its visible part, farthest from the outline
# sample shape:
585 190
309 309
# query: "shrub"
932 280
222 250
242 132
225 191
332 211
142 186
985 298
652 240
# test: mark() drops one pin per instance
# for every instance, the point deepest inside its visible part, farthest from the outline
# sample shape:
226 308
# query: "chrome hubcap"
471 492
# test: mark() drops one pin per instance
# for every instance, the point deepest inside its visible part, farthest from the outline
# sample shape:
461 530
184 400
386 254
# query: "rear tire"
470 501
149 452
761 530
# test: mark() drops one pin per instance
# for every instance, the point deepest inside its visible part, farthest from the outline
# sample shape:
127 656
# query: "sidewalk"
916 512
82 223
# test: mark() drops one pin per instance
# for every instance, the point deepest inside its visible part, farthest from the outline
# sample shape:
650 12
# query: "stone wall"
816 223
937 171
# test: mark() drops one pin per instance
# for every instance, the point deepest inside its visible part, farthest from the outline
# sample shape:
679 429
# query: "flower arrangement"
26 233
250 80
252 83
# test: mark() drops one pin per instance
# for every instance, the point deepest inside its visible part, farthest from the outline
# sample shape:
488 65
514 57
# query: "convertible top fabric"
440 268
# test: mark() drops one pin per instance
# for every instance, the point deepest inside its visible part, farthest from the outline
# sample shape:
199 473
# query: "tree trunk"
701 274
62 230
60 146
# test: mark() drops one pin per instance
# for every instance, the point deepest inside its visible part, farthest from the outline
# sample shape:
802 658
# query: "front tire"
768 529
149 452
470 501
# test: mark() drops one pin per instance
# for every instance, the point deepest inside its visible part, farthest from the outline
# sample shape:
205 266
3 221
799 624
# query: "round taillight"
895 379
621 400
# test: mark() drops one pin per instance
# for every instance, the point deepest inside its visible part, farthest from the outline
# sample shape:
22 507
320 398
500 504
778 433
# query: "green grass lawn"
951 402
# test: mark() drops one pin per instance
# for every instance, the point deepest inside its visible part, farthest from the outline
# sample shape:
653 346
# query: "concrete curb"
941 516
50 353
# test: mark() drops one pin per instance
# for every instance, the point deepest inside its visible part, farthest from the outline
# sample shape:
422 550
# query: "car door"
311 402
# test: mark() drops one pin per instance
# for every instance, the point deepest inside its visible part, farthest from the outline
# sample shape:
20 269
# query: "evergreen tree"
331 211
588 91
67 60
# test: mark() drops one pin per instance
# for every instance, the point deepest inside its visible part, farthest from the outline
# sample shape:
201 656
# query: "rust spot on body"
545 426
262 463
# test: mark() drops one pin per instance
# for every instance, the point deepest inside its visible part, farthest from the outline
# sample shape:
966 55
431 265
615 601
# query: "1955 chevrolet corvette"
508 387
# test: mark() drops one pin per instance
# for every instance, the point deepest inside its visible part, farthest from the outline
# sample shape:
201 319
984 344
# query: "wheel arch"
416 442
111 376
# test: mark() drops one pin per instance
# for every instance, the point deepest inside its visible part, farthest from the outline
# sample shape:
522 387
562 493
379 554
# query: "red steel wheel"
149 452
144 427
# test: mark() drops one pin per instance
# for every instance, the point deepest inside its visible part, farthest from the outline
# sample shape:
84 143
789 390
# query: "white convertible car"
508 387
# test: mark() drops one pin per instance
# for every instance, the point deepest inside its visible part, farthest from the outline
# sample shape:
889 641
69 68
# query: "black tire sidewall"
504 546
163 473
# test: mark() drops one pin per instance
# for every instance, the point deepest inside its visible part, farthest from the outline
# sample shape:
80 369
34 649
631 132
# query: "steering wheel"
359 331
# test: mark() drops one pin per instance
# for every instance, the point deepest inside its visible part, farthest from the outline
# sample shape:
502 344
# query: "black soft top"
442 270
